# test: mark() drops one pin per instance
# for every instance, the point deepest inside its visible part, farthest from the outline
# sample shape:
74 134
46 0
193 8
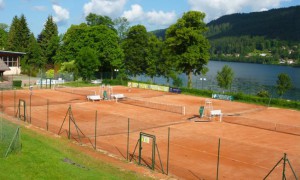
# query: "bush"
17 83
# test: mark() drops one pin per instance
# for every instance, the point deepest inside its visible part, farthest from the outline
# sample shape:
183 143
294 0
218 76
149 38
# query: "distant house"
3 68
10 62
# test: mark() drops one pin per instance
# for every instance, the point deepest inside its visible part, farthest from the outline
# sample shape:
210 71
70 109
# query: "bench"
216 113
93 97
117 96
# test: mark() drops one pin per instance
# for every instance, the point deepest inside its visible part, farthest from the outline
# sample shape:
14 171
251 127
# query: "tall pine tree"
48 40
18 35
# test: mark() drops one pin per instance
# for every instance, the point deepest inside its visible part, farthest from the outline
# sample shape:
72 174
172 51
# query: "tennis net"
83 92
272 126
155 105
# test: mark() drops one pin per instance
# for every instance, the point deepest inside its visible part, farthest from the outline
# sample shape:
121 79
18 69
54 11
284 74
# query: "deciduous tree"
87 63
225 77
284 83
134 47
187 46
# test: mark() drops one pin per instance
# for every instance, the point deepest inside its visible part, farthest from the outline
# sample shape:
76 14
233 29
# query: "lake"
248 78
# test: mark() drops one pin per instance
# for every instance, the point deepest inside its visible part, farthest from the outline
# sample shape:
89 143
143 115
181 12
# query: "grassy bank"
44 157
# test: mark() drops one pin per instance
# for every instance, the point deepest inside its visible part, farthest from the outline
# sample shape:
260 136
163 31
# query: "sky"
153 14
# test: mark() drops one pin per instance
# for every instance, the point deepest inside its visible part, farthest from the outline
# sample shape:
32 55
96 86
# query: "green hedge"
17 83
247 98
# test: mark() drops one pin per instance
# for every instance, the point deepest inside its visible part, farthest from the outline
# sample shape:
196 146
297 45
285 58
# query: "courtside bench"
93 97
117 96
214 113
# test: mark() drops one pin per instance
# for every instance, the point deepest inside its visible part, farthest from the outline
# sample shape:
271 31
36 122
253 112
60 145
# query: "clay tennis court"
252 138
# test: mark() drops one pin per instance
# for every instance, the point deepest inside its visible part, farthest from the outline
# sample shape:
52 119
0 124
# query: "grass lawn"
44 157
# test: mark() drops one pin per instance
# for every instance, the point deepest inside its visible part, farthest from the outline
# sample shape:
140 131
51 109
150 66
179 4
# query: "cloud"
154 18
216 8
1 4
161 18
111 8
39 8
61 15
135 14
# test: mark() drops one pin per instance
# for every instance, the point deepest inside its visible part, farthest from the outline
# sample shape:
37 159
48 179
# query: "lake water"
248 78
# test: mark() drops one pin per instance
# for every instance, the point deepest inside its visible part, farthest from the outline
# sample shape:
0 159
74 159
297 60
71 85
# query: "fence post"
96 121
30 107
283 168
69 135
168 153
128 139
1 99
47 114
218 162
14 101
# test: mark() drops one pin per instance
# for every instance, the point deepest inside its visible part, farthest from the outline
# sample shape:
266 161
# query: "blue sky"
154 14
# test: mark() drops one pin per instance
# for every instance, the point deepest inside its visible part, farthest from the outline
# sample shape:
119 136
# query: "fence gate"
147 150
22 109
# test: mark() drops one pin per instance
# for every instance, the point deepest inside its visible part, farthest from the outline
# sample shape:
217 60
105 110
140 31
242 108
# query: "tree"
284 83
153 56
32 60
225 77
18 35
134 47
187 46
49 41
100 38
3 39
95 20
121 24
87 63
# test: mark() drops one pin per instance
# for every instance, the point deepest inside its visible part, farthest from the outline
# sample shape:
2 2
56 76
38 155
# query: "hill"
283 24
268 37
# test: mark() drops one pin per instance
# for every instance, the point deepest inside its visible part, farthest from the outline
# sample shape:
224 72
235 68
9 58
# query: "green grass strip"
44 157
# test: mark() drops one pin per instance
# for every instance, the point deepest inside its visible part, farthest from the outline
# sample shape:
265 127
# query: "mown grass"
44 157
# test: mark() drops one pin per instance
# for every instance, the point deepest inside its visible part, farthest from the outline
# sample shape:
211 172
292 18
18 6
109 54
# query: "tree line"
104 45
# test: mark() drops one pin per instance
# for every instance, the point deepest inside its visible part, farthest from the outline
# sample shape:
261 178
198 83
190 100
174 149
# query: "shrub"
17 83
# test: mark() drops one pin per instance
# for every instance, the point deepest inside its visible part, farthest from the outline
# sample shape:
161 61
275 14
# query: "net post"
128 139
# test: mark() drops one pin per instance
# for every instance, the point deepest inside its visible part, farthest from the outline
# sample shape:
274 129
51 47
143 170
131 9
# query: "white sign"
145 139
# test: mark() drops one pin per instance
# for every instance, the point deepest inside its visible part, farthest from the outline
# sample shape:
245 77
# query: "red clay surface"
245 153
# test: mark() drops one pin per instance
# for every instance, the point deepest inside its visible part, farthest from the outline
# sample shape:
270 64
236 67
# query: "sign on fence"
222 97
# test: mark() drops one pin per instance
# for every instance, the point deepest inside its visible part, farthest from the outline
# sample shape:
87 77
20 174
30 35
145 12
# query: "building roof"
11 52
3 66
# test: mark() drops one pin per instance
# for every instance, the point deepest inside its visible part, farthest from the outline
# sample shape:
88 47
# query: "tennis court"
249 144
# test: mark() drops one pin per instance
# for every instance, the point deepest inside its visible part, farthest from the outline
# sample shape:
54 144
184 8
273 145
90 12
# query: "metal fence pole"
14 101
168 153
47 114
69 135
218 158
30 108
96 119
128 140
1 99
283 168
